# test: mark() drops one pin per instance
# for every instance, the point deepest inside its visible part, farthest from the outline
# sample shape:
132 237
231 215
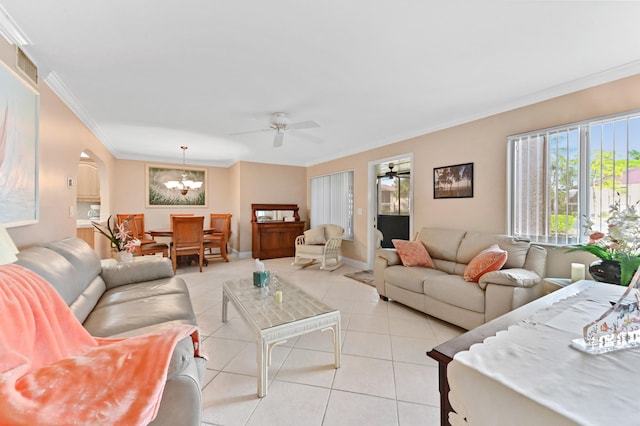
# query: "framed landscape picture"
453 181
158 195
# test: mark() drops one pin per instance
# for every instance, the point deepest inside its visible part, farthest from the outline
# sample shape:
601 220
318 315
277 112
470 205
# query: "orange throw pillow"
491 259
413 253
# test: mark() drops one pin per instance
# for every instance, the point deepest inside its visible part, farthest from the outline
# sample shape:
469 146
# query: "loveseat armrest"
390 256
384 259
137 271
514 277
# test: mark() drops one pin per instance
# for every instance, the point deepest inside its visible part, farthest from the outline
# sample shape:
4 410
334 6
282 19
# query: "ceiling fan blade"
278 139
250 131
303 125
307 137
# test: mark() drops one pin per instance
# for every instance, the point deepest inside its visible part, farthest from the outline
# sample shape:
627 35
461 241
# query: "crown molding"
57 85
10 30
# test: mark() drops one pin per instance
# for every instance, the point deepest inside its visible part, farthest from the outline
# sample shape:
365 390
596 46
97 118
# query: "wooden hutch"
274 230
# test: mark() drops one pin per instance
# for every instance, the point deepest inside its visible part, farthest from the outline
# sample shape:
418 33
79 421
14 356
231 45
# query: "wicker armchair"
321 243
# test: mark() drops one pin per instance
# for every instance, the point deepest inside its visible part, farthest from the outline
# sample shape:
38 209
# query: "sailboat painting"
19 104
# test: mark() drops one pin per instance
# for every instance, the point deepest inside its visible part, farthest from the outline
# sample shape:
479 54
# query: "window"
332 201
559 177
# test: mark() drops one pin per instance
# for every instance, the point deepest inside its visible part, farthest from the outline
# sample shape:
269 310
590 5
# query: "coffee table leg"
262 349
336 342
225 302
335 330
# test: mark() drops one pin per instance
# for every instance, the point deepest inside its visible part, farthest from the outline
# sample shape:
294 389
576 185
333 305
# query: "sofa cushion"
410 278
57 270
488 260
442 243
454 290
133 306
474 242
315 235
413 253
80 254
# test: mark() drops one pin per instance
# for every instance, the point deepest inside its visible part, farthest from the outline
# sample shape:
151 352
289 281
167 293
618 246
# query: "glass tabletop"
260 302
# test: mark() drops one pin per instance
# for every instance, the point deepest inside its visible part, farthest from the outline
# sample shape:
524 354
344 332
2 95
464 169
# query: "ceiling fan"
280 124
391 173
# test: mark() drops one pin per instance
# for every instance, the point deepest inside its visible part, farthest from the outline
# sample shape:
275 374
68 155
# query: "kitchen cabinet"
88 182
86 234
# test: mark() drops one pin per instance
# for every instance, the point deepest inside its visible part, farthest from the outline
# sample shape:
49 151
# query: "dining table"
167 232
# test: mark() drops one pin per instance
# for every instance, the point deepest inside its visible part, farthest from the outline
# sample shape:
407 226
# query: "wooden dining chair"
221 223
134 223
172 215
187 238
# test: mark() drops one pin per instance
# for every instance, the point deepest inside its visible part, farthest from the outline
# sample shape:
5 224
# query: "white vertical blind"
332 201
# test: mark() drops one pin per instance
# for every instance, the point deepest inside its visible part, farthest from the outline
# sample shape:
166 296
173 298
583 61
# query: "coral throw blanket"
52 372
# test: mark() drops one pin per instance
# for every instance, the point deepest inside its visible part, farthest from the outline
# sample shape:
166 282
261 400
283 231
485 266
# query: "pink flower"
595 237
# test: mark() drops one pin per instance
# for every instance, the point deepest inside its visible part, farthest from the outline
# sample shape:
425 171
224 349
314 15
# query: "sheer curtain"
332 201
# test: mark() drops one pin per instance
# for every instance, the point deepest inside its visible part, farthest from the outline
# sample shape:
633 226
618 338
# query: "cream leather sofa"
443 292
125 300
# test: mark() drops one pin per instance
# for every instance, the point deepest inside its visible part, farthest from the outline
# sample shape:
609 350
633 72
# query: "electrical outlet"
72 211
71 182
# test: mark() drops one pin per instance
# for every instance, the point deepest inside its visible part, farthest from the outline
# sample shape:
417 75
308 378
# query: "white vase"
123 256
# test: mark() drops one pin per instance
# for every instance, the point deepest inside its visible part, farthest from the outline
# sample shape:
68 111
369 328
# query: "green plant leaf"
597 251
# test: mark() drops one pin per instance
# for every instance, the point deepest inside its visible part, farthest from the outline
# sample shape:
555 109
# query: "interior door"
393 207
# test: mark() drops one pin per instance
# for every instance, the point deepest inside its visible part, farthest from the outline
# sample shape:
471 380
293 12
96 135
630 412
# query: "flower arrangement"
621 244
120 238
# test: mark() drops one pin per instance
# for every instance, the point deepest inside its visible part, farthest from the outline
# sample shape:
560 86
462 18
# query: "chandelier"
183 185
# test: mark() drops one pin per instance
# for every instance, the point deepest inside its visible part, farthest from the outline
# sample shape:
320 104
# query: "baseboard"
355 263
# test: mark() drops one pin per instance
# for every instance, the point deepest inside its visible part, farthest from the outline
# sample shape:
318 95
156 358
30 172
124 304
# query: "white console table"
529 375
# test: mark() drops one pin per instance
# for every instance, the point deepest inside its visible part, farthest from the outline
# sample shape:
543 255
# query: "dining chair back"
172 215
134 223
187 238
221 223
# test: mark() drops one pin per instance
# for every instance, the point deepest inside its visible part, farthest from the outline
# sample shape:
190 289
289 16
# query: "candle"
577 272
278 296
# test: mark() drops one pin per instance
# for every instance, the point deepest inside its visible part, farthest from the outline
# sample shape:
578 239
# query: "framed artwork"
19 105
453 181
158 195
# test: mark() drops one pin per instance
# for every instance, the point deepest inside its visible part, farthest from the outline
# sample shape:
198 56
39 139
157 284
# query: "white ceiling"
148 76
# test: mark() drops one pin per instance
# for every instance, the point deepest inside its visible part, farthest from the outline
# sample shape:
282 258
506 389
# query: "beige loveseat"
443 293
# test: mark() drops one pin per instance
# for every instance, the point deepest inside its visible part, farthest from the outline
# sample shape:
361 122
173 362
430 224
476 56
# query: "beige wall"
131 196
267 183
62 137
229 190
482 142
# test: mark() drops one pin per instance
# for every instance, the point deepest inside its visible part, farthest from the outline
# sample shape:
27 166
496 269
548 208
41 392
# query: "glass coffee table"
274 323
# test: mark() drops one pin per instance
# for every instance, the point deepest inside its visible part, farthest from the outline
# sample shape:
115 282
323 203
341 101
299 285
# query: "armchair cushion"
333 231
315 236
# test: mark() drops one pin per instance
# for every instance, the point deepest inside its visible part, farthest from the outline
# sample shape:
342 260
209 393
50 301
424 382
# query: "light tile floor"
385 377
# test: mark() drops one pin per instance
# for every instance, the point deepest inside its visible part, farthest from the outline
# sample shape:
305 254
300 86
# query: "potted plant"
122 242
618 249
